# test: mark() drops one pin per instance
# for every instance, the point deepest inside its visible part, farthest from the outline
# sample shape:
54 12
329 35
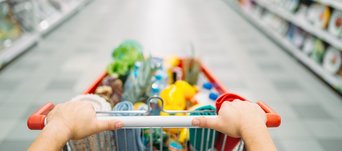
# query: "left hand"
77 119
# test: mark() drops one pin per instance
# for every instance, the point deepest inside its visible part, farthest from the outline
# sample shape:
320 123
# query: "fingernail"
195 122
118 124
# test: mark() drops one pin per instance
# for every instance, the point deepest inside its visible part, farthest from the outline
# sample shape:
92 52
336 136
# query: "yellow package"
188 90
173 97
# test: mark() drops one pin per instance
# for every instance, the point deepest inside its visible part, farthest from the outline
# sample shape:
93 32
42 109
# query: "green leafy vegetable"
125 55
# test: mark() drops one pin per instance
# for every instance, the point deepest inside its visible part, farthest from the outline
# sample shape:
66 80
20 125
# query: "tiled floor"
248 63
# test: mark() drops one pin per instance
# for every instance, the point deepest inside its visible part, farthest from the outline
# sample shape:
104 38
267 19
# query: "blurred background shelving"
24 23
309 30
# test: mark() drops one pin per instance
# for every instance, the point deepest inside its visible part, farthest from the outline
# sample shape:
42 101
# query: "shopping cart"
138 123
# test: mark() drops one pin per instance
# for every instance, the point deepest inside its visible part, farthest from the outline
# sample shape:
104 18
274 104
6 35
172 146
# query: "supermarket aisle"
71 57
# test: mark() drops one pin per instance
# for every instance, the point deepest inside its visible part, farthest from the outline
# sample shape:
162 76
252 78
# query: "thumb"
106 125
205 122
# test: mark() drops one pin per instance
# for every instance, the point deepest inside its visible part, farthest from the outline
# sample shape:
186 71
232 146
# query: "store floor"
248 63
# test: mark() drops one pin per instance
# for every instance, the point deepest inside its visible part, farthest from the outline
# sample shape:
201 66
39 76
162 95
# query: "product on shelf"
44 11
290 31
302 11
299 37
319 15
333 61
247 4
292 5
318 51
276 23
267 18
61 5
9 27
309 44
301 31
283 27
24 13
335 25
259 11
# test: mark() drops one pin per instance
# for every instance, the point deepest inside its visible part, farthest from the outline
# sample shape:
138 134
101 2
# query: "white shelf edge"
333 80
325 36
18 47
58 18
333 3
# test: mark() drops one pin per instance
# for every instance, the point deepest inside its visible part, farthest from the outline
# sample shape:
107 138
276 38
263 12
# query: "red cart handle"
273 119
37 120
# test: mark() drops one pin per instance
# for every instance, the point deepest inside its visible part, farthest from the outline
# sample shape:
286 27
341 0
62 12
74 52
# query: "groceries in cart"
157 100
132 79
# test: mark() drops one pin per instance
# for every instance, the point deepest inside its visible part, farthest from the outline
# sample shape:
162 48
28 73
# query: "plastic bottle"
130 92
157 85
161 74
154 90
202 97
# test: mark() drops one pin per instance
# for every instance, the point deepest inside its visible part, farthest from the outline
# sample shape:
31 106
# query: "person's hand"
77 119
235 118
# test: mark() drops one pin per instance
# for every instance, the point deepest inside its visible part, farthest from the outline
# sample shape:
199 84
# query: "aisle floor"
248 63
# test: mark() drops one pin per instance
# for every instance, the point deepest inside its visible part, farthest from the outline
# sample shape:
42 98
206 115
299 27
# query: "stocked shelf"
321 34
28 39
333 80
333 3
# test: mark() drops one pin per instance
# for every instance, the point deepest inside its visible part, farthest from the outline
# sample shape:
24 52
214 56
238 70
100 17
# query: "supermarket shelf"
333 3
323 35
19 46
333 80
27 40
52 22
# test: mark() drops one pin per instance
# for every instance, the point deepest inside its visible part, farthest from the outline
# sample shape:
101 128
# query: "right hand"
235 118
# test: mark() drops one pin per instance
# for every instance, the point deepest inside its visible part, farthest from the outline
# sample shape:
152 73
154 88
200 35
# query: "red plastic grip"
36 120
273 119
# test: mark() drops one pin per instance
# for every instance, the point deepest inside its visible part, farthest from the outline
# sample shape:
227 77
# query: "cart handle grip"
155 121
37 120
272 118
